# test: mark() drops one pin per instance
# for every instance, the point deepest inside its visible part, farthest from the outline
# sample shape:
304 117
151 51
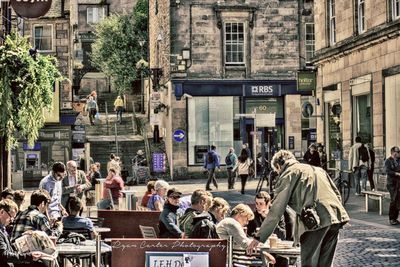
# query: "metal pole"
98 250
116 137
230 252
108 128
133 118
142 92
254 143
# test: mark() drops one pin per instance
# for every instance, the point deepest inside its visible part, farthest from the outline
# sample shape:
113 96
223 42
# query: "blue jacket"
214 164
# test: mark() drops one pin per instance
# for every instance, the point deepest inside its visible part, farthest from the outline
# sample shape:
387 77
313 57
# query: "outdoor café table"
86 249
102 229
285 249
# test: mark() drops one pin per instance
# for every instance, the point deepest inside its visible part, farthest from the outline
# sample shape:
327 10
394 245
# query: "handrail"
340 170
133 118
107 123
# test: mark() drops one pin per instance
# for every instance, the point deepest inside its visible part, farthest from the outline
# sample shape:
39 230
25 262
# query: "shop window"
362 117
95 14
210 122
234 43
395 9
334 131
392 116
332 22
43 37
310 41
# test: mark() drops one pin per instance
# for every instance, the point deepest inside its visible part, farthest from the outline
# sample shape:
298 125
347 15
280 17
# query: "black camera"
310 218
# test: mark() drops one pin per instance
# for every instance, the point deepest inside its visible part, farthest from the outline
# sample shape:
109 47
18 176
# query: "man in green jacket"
301 185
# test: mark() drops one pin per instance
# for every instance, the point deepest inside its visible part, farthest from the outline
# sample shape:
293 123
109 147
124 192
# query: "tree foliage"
26 89
116 48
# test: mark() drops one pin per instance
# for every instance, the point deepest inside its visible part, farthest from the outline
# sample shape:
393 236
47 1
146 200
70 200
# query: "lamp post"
141 43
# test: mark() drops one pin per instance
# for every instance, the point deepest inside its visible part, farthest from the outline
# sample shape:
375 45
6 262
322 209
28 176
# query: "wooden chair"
148 231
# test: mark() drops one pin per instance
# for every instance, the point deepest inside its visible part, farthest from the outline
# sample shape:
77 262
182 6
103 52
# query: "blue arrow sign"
179 135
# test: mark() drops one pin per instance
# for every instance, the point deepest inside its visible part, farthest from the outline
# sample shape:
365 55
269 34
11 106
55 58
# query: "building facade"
222 60
358 81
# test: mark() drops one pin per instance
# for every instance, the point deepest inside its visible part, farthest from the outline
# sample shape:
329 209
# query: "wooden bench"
125 223
132 251
375 195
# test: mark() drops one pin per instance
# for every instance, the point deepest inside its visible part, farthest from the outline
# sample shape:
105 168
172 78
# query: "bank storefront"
216 115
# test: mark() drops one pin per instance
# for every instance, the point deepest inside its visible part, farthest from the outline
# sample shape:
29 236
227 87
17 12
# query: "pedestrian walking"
359 162
310 192
372 167
312 156
211 162
119 108
392 169
231 161
322 156
243 168
92 108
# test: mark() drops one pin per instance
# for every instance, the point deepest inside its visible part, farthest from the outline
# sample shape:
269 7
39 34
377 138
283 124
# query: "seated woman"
73 221
156 201
234 226
147 195
168 223
115 184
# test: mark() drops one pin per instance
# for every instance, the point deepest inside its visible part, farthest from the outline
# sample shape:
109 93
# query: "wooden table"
289 252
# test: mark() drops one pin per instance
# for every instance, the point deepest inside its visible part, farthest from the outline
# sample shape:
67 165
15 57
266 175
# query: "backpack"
363 153
210 157
228 160
203 227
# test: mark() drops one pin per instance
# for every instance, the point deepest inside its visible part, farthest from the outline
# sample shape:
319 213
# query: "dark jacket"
8 256
168 223
67 189
391 167
204 226
280 230
312 159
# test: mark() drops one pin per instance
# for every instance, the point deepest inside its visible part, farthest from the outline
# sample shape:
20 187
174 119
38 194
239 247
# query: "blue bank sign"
263 90
179 135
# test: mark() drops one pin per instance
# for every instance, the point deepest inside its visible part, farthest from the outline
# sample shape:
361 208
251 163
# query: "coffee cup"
273 241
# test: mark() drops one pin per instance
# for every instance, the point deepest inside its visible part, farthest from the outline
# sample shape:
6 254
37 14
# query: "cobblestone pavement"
366 244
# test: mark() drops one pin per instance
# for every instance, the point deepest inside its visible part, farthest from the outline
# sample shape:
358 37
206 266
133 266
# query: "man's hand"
36 255
252 246
269 257
78 188
264 213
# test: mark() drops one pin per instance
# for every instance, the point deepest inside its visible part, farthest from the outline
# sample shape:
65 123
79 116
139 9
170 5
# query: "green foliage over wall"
26 89
117 50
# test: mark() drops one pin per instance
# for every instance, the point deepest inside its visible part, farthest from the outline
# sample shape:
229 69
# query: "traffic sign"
179 135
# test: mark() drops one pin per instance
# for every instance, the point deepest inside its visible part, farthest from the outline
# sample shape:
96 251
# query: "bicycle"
342 185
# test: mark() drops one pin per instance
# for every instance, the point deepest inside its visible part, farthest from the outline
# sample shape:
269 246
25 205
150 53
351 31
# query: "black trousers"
394 202
318 247
243 178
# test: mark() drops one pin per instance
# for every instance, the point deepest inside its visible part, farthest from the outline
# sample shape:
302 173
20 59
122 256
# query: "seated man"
74 221
34 218
8 256
7 193
201 201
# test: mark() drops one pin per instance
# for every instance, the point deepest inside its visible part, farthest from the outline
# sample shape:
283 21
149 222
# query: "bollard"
98 250
230 251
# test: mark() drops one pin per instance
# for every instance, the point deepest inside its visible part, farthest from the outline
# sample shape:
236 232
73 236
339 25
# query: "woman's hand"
252 246
269 257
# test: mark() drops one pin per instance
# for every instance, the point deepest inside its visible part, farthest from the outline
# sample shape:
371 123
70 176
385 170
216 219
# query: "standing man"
119 108
92 108
8 256
74 184
211 161
231 161
359 162
52 183
301 185
392 169
372 167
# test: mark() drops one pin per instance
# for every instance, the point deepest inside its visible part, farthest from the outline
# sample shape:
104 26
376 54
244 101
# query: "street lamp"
141 43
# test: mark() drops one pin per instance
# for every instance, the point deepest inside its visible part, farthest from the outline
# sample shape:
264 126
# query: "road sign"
179 135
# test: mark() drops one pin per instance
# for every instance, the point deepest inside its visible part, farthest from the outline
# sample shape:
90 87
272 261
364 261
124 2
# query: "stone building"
358 82
224 58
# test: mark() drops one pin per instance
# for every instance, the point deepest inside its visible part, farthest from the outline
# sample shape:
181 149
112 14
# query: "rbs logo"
262 90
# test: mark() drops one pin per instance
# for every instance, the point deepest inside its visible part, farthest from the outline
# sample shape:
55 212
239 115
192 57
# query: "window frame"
34 26
395 12
97 14
238 43
308 43
361 16
332 21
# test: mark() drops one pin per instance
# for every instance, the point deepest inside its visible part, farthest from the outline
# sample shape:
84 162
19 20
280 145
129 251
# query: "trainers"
208 189
357 194
394 222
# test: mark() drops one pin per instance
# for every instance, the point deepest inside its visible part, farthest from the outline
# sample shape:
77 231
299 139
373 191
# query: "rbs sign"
262 90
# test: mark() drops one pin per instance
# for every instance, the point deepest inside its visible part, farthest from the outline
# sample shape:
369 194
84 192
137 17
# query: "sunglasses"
11 217
175 197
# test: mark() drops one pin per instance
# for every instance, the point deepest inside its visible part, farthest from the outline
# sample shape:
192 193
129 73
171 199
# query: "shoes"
357 194
208 189
394 222
242 192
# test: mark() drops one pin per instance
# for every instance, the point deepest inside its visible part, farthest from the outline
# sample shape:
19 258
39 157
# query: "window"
395 9
310 41
43 37
210 122
95 14
361 15
332 22
362 116
392 115
234 43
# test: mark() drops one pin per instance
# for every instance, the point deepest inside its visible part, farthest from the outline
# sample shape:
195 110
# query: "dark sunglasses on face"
175 197
11 217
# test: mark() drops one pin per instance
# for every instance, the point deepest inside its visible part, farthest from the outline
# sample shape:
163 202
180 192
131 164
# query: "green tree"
26 89
116 48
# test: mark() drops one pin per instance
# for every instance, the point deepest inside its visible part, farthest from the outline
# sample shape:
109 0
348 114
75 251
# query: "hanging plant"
26 89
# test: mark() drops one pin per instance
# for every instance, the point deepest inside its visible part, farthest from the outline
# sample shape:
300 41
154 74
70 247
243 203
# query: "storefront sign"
306 80
313 135
291 142
177 259
31 8
265 120
159 162
262 90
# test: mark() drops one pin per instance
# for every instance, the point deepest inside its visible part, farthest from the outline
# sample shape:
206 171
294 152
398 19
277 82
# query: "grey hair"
161 184
231 148
281 155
